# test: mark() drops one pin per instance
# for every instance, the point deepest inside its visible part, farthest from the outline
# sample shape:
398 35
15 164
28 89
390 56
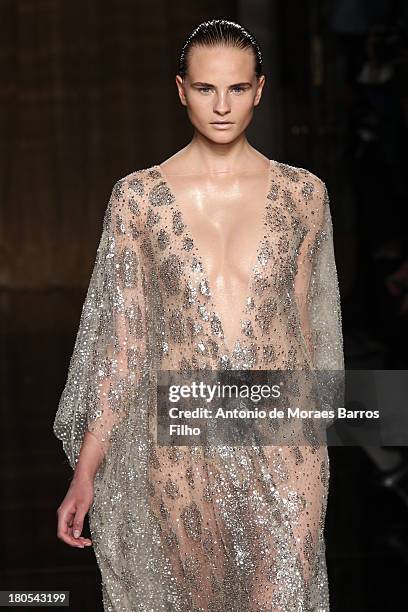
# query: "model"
218 258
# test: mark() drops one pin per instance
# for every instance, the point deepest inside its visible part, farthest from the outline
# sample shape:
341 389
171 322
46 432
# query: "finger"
86 541
78 522
83 539
68 539
63 529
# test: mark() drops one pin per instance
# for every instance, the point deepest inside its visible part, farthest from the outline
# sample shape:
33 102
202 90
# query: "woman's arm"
110 349
107 362
316 286
90 457
318 296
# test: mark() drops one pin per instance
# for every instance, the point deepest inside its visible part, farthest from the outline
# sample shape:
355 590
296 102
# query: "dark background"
87 95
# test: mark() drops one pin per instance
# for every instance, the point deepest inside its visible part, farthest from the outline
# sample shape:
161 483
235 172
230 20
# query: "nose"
222 104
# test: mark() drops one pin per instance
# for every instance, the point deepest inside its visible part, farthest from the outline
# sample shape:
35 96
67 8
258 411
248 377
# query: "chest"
221 248
225 217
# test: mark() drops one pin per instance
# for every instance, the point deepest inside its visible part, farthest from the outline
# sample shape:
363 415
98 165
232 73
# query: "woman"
218 258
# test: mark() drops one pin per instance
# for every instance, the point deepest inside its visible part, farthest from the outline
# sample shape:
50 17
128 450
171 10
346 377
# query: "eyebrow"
199 83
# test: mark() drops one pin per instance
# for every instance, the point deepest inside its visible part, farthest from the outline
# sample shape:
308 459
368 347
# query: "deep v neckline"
228 349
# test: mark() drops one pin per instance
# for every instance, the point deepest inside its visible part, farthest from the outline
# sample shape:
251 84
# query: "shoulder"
302 180
136 189
136 183
310 191
126 207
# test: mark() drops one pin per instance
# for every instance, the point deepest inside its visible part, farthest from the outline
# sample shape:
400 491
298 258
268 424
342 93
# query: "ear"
259 89
180 88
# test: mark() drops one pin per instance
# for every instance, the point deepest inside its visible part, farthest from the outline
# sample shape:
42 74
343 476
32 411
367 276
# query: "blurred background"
87 95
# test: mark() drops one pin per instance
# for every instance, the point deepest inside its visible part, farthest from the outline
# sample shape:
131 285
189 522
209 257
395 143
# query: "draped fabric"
198 528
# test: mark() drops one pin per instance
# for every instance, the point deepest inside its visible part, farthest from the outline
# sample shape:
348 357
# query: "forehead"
222 63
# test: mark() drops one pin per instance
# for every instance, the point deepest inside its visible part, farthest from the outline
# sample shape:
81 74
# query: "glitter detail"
171 489
265 253
163 239
133 206
289 172
152 218
191 517
170 273
247 328
160 195
178 225
266 312
308 190
199 528
187 244
136 185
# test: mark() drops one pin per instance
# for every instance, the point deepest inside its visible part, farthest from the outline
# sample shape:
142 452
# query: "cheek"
198 105
200 112
243 106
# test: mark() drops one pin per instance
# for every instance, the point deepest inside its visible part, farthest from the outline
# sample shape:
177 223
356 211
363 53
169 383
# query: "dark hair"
220 32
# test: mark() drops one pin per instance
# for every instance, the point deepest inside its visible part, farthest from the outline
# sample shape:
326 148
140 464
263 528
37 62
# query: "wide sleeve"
110 349
319 307
317 288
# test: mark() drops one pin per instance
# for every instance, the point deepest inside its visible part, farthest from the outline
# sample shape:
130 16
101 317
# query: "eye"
238 88
204 89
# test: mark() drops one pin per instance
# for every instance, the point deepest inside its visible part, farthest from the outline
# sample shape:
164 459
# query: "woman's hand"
72 511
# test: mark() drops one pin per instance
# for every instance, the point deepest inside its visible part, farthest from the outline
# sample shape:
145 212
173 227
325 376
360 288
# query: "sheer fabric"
202 528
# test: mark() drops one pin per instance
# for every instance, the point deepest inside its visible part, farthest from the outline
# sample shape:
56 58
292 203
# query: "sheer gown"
189 529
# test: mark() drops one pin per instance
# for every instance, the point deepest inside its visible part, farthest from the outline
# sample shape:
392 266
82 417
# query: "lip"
221 125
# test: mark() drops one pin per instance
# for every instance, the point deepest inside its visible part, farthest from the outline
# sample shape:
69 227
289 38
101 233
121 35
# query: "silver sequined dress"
183 529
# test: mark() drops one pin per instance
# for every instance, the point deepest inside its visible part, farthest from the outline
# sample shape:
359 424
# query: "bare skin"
220 182
76 503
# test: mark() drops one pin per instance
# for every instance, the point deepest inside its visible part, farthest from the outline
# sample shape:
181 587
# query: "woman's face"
220 86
